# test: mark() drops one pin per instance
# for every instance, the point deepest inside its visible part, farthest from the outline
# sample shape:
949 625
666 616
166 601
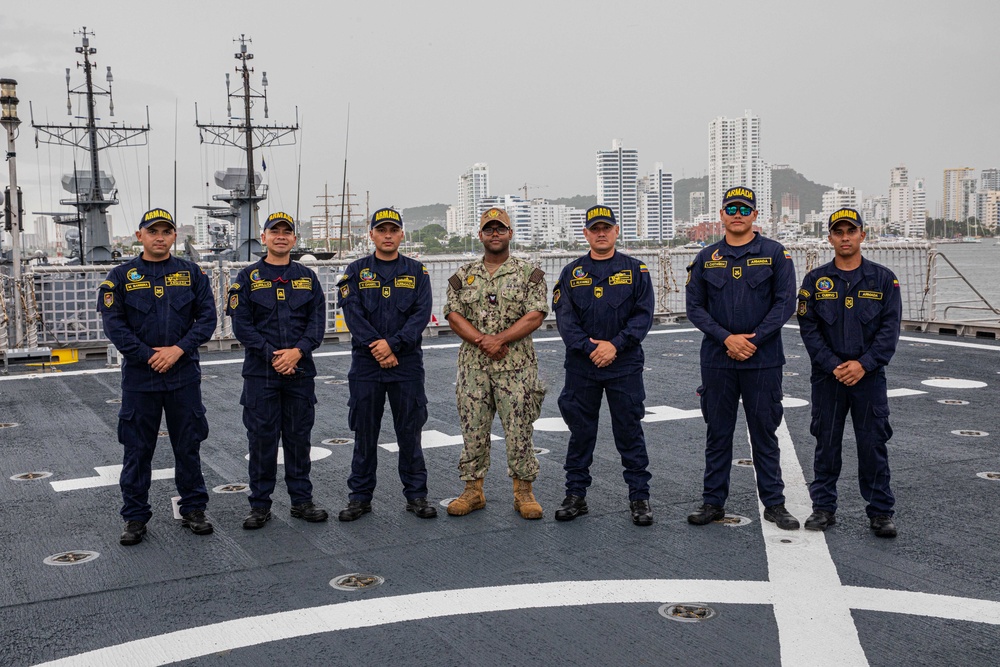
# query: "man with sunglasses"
386 299
604 309
740 293
849 318
494 304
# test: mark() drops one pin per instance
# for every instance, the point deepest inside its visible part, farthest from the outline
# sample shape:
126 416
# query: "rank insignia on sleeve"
109 299
234 300
555 295
802 308
344 290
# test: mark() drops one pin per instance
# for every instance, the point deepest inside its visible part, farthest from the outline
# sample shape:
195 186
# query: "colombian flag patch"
788 255
895 283
643 268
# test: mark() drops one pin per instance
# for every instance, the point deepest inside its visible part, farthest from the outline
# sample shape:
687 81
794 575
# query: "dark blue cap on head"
279 216
848 214
384 215
599 213
740 195
156 215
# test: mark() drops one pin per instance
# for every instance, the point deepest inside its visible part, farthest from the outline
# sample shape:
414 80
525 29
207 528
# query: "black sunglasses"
733 208
495 231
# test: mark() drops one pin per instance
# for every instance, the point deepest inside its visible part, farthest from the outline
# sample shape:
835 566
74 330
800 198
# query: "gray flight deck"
491 588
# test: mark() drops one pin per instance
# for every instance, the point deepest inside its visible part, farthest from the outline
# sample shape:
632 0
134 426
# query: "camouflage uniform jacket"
493 304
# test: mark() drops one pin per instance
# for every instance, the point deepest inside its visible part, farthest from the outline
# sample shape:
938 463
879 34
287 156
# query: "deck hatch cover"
687 612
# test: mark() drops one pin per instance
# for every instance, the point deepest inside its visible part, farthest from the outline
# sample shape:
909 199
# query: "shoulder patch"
107 284
536 276
804 293
234 287
455 282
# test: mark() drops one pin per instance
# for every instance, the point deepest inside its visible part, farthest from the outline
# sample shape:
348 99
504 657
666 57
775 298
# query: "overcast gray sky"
845 90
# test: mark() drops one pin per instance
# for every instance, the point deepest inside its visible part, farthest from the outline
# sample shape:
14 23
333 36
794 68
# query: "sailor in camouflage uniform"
494 304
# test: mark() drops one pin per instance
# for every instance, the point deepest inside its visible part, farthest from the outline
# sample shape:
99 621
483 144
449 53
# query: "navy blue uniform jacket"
157 304
843 322
277 307
609 300
395 306
741 290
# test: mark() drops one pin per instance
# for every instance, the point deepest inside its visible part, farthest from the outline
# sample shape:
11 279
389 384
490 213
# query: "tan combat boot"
524 500
471 499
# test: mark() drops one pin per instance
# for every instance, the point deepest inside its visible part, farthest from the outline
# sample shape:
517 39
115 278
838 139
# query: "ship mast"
243 191
89 199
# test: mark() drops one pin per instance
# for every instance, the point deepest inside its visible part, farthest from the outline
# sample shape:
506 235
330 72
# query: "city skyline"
422 109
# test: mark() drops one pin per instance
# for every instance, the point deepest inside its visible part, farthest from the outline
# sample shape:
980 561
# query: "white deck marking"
315 454
431 439
551 424
896 393
665 413
953 383
803 587
106 476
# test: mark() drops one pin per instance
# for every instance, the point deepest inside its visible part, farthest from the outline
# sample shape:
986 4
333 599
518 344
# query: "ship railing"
972 309
67 313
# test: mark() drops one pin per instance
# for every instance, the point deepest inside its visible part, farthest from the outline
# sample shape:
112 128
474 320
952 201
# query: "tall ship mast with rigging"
245 189
93 190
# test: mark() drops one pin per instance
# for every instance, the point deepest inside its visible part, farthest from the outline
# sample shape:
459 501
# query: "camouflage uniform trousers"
517 395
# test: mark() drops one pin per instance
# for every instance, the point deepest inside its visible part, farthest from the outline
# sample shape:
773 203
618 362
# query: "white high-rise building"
991 211
618 186
656 205
875 212
989 181
841 197
900 197
696 205
956 199
734 159
473 185
918 222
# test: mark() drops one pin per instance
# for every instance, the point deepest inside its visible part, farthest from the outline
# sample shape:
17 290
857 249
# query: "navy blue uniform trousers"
276 410
868 405
138 429
580 405
409 414
720 394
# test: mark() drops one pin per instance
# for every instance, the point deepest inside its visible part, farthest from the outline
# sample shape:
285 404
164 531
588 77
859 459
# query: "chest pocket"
139 301
829 310
264 298
403 298
716 277
298 298
870 308
180 299
513 293
758 275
